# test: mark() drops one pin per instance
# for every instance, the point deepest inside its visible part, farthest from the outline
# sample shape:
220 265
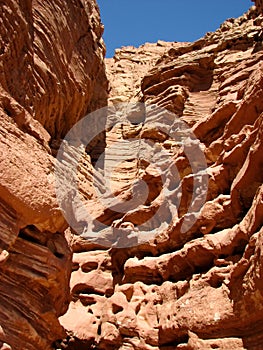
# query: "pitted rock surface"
199 288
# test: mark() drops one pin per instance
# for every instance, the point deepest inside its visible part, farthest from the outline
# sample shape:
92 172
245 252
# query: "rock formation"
51 74
259 5
199 289
196 283
130 65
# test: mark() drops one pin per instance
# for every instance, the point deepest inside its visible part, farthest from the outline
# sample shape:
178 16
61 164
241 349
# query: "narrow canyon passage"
131 196
180 289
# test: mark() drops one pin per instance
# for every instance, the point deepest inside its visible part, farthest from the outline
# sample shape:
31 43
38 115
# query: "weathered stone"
51 74
198 289
194 288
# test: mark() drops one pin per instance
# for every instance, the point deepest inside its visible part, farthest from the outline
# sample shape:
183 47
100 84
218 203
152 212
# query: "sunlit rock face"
199 288
51 74
129 65
185 119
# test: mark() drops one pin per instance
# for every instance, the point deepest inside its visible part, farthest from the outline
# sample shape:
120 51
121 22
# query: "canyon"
195 280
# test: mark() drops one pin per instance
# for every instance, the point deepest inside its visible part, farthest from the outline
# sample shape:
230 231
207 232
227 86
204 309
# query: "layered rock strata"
51 74
199 288
190 286
130 64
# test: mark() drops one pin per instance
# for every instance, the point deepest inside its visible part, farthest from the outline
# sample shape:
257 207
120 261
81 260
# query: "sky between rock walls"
134 22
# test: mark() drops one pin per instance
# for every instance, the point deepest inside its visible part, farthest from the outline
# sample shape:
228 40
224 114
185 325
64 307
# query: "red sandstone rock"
259 5
51 74
131 64
199 289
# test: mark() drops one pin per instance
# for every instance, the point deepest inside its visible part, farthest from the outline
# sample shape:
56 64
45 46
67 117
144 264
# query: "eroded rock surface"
195 286
195 289
51 74
129 65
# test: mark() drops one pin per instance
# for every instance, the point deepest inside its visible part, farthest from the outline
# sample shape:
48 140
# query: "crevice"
181 339
99 329
26 236
89 266
74 343
84 290
116 309
45 239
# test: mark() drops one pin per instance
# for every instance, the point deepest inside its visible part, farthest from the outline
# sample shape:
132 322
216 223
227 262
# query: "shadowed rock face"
259 5
51 74
199 289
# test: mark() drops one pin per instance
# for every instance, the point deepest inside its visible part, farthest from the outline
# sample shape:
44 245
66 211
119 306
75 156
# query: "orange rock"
195 281
190 289
51 74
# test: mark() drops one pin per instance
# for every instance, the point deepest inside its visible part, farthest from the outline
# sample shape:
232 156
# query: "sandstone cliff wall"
51 74
130 64
259 5
200 289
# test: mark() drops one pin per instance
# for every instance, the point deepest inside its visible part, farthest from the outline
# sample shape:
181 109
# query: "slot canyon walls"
200 289
51 74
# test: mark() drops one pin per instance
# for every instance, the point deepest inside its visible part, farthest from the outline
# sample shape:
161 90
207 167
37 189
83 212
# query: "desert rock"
51 74
199 289
195 280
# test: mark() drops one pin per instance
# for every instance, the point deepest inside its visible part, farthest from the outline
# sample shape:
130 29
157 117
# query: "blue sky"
134 22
